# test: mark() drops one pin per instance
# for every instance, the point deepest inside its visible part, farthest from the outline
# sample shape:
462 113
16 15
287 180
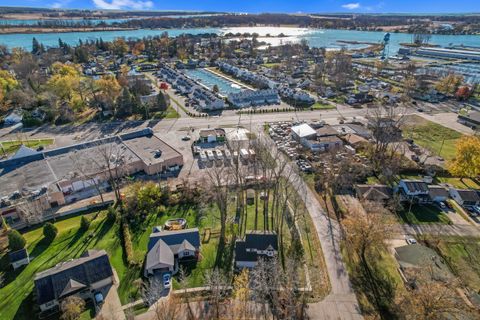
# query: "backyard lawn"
17 298
420 214
12 146
439 140
170 113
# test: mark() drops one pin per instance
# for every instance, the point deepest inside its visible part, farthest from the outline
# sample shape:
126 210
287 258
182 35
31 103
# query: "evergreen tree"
161 103
15 240
35 46
124 104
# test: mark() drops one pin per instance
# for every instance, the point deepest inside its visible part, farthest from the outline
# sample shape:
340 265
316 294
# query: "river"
328 38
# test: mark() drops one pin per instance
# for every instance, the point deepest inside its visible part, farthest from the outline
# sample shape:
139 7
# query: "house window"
186 253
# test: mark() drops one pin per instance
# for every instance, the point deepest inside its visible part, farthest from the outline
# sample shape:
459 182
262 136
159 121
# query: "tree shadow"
26 310
378 287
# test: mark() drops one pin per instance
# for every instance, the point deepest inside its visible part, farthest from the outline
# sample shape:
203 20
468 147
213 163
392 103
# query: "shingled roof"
261 240
70 276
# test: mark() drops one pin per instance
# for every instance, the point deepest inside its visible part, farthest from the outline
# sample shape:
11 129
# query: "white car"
411 241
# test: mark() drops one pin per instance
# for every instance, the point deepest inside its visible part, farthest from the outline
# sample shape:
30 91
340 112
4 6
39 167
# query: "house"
83 277
414 191
438 193
378 192
166 249
256 244
212 135
354 140
13 118
19 258
465 198
471 119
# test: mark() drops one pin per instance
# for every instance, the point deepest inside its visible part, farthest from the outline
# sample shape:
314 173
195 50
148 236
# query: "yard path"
341 303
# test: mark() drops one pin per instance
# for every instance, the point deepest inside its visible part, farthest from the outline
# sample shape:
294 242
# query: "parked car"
411 241
442 205
415 158
185 138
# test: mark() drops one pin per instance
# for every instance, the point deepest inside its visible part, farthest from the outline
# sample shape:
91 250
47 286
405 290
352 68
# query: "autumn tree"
241 295
218 291
71 308
449 84
463 93
467 158
432 300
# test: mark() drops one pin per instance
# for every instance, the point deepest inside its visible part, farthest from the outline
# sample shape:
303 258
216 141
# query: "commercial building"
33 182
448 53
471 119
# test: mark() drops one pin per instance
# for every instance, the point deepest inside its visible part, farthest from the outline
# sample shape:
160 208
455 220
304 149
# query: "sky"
257 6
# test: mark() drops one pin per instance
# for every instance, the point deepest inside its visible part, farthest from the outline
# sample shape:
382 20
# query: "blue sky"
254 6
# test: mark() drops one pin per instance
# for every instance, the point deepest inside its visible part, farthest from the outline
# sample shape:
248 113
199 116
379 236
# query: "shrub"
49 231
72 307
127 243
16 241
111 214
84 223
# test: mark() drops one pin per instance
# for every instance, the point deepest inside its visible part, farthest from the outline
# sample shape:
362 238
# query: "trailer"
210 155
203 156
218 154
228 155
244 154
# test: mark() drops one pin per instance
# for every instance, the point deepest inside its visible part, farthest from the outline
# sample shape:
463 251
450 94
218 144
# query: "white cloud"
60 4
123 4
351 6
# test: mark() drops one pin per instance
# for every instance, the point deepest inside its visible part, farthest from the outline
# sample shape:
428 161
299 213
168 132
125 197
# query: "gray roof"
468 195
160 253
437 191
261 240
374 192
175 237
241 253
18 255
90 268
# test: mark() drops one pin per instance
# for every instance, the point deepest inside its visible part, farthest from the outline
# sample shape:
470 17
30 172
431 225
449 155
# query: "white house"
414 191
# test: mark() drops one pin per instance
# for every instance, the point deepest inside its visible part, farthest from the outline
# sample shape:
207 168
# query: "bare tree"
386 124
165 307
219 289
219 192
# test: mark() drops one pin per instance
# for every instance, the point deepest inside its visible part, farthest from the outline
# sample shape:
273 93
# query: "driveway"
112 307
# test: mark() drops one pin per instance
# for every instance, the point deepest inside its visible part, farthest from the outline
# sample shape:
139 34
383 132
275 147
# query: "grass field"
463 257
439 140
465 183
420 214
12 146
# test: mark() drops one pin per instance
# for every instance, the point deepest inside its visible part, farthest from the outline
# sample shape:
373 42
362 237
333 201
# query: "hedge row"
127 244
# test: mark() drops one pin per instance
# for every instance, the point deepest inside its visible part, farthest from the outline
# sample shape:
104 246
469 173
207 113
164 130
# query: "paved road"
464 230
341 303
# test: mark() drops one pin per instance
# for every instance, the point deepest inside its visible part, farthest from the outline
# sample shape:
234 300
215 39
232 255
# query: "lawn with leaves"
12 146
439 140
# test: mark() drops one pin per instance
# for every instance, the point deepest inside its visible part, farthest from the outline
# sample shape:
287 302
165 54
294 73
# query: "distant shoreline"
28 30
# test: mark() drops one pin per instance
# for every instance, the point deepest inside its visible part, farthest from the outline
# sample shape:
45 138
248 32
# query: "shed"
250 196
19 258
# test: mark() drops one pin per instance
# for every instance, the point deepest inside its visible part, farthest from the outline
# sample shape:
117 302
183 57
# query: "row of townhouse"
204 98
293 95
248 98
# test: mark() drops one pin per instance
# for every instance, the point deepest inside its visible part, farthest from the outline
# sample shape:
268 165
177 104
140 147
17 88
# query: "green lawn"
439 140
322 106
171 113
17 298
465 183
420 214
12 146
